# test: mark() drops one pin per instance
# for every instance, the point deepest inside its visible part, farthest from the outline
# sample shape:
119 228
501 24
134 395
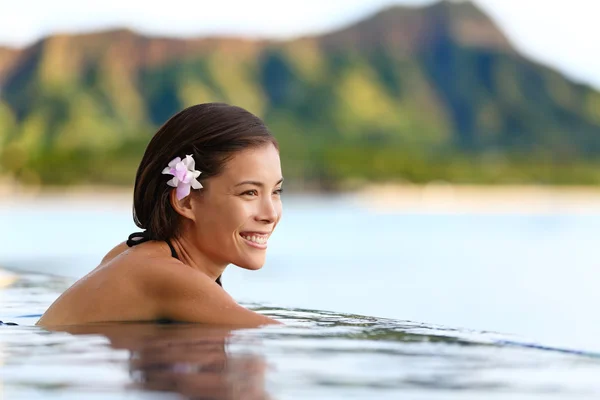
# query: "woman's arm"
180 293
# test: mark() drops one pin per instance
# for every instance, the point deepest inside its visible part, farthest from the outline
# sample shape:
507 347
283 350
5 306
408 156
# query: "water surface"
316 355
452 302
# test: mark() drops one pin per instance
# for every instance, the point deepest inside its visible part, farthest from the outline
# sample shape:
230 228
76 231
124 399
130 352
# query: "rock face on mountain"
436 92
410 30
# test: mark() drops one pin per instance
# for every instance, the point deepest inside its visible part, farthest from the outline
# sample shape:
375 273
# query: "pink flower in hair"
184 175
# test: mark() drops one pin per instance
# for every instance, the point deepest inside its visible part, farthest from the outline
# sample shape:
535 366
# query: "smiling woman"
207 194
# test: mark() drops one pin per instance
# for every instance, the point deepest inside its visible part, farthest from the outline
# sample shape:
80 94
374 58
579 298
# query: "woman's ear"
182 207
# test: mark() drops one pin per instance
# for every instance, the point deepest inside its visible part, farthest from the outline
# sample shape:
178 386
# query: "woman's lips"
255 239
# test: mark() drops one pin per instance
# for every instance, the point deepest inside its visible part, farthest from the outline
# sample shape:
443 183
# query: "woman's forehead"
253 163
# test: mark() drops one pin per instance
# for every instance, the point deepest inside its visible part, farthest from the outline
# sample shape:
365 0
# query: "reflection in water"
192 360
316 354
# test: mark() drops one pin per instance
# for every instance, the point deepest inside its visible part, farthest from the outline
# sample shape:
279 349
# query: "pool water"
419 306
316 354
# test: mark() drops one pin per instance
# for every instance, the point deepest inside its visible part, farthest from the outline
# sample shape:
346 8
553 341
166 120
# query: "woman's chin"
252 265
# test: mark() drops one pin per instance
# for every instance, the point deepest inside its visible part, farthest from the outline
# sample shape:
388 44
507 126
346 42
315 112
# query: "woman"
207 193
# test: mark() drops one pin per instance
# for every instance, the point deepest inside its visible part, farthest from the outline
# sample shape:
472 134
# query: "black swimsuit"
141 237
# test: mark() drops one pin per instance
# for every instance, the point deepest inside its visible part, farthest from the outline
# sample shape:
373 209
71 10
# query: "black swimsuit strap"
137 238
141 237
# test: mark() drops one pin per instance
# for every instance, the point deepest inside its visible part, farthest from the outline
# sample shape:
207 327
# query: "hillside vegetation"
417 94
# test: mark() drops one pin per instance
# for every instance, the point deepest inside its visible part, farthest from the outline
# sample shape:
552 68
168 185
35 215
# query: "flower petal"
189 162
187 177
196 184
174 162
183 190
173 182
196 174
180 171
167 170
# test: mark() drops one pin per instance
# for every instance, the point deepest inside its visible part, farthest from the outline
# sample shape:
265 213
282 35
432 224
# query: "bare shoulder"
181 293
114 252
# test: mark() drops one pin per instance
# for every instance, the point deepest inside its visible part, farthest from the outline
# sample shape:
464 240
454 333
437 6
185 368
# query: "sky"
560 33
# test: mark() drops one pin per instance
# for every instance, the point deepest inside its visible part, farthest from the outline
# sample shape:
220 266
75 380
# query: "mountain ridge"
411 28
416 93
380 20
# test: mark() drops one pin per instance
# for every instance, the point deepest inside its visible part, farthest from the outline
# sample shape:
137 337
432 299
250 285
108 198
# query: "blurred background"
441 158
357 91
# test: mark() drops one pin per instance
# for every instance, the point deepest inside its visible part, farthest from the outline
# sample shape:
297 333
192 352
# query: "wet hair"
213 133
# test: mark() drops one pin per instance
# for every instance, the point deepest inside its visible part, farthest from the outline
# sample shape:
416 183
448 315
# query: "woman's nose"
269 211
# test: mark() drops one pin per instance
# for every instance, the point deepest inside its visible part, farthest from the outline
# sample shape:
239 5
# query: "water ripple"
316 354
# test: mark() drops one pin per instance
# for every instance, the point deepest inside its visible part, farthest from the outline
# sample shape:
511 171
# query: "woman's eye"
254 192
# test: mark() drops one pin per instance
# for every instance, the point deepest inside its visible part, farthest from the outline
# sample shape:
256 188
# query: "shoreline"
482 199
412 198
73 196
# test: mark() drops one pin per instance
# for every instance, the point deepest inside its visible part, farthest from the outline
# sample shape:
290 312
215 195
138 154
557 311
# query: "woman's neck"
193 257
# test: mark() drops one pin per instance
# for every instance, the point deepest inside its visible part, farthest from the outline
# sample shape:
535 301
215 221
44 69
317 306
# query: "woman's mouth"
255 239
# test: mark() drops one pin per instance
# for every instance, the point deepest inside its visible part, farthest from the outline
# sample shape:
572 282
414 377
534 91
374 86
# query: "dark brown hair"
212 133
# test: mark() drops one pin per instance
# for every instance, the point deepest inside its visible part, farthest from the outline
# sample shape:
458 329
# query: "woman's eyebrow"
256 183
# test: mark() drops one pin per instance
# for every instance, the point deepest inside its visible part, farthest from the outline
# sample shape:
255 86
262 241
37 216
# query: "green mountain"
415 94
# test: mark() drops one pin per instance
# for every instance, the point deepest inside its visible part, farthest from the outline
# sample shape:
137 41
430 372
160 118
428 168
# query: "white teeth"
256 239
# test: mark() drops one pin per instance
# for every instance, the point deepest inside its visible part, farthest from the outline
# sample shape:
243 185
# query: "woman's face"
238 210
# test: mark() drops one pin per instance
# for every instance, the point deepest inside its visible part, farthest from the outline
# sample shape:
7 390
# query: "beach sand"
6 278
447 198
405 198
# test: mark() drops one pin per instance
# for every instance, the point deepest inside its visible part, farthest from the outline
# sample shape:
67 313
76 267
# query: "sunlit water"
316 355
477 307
